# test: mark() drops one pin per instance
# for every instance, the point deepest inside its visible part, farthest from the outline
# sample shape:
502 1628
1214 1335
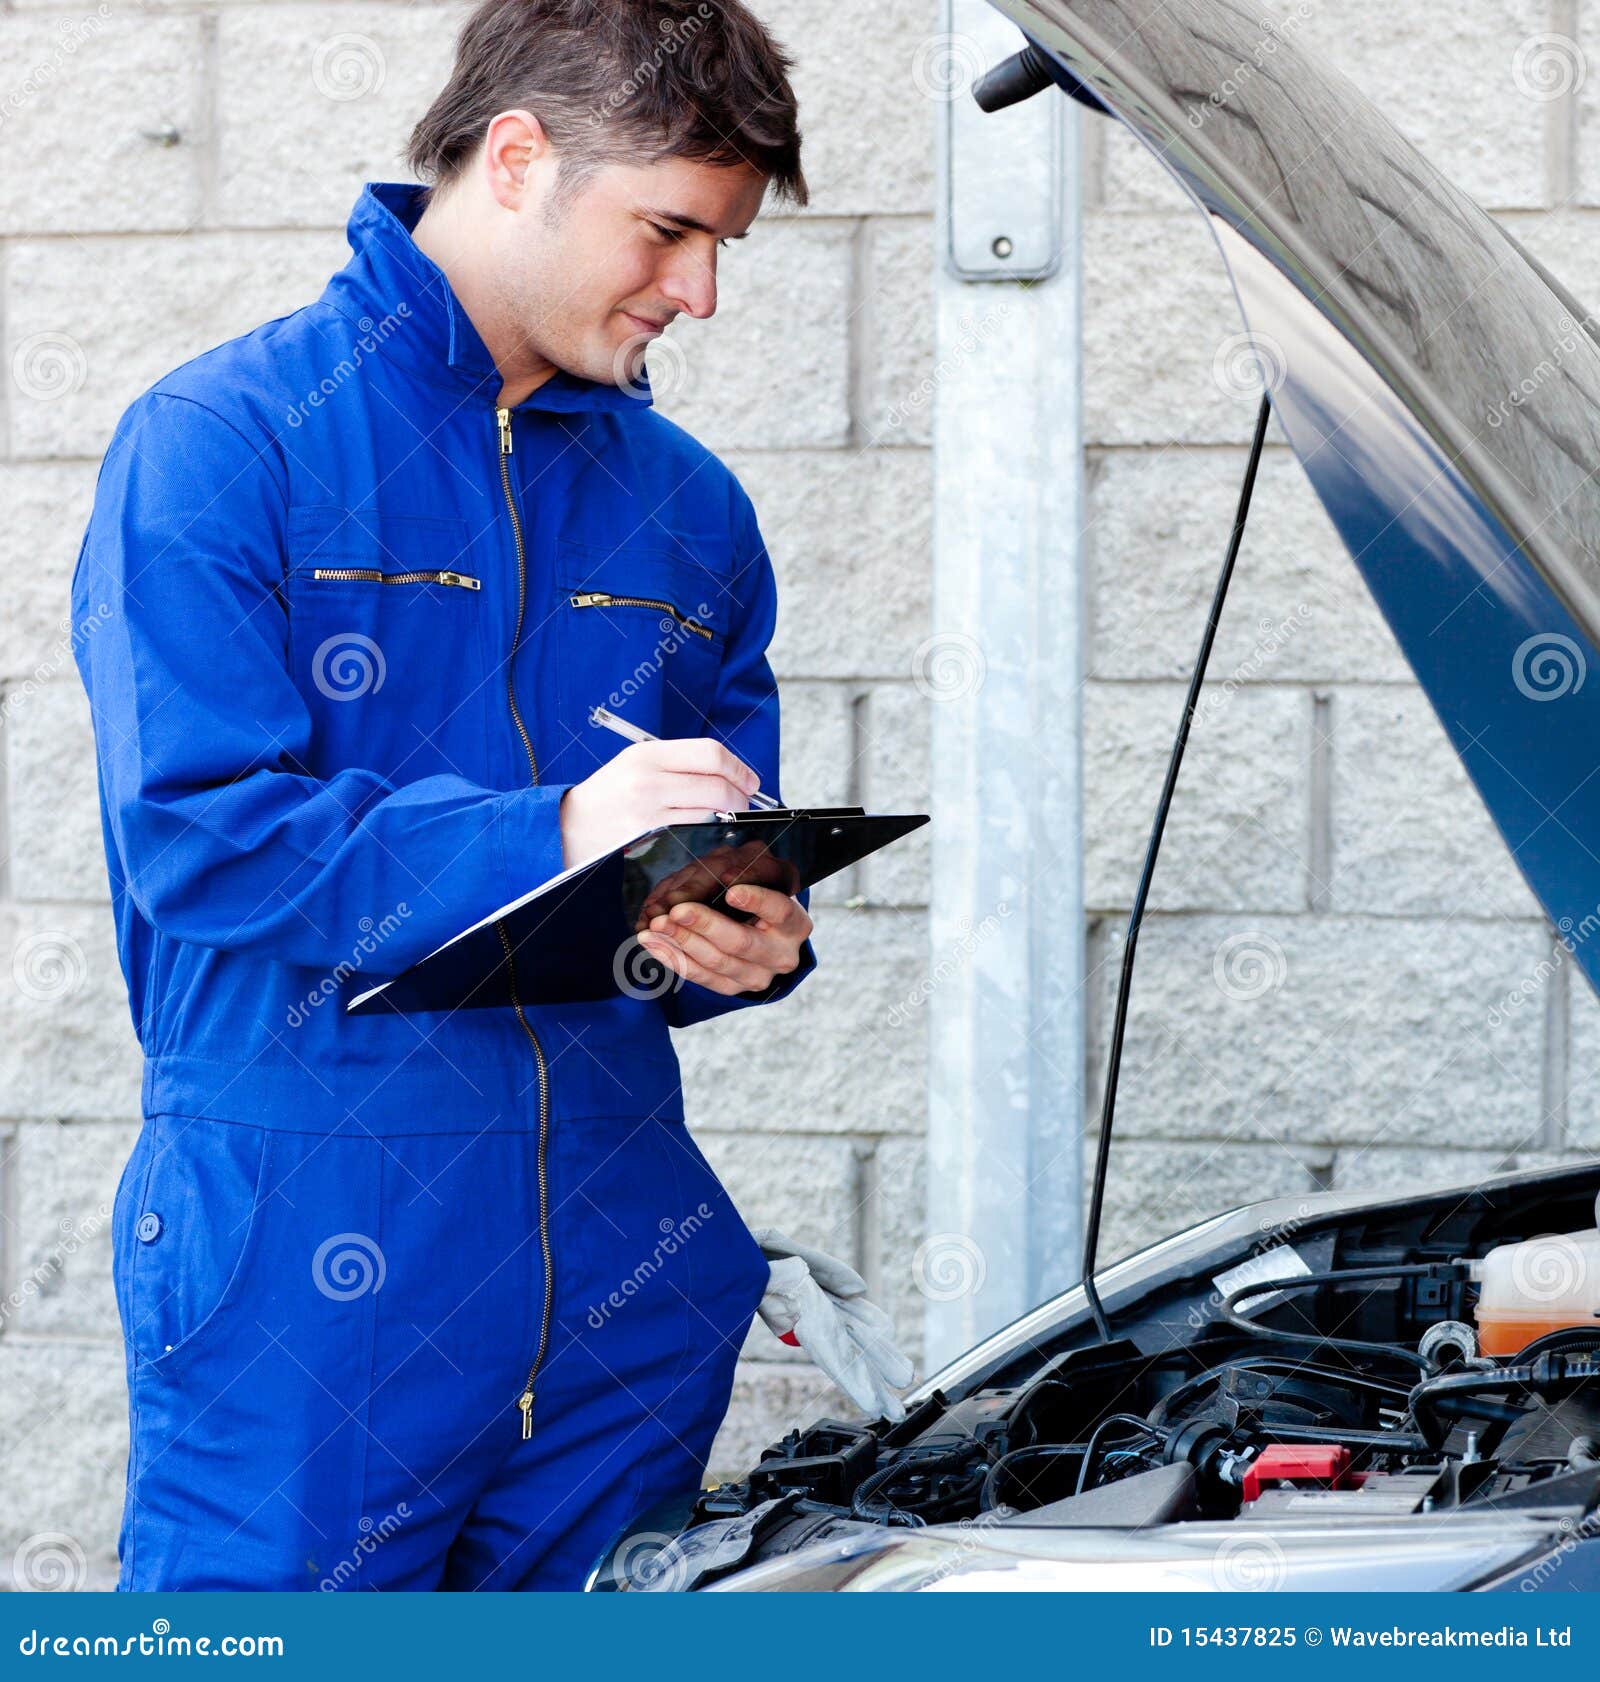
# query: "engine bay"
1331 1370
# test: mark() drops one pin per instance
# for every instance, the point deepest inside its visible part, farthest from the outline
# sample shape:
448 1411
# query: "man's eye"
670 234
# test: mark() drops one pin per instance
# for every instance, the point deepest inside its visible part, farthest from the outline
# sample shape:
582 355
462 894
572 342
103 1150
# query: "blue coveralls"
409 1302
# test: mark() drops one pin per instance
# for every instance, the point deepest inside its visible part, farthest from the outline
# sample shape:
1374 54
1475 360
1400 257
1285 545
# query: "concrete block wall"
1323 992
229 141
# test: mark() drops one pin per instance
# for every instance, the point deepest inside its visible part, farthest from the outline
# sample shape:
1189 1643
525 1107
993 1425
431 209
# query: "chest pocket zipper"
603 598
374 576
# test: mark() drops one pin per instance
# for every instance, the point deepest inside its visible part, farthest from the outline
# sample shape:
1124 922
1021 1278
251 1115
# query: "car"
1336 1391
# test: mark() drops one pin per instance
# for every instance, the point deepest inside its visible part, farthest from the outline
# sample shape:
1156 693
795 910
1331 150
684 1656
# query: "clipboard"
573 939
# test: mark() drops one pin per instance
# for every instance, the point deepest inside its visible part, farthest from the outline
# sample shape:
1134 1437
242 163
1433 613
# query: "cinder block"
1398 1173
1159 1187
54 806
67 1046
849 532
1410 834
894 321
64 1181
895 721
845 1054
900 1173
324 96
1330 1030
90 323
884 59
1583 1072
804 1186
772 367
1236 837
1297 609
47 507
147 140
64 1450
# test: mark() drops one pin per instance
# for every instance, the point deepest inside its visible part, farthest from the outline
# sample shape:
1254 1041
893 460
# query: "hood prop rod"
1091 1243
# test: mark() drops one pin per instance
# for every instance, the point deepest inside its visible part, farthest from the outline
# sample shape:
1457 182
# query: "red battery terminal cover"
1327 1465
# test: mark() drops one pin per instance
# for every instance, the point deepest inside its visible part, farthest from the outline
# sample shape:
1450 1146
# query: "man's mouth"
645 324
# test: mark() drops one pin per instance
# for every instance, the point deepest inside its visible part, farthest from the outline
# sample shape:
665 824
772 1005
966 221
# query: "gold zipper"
371 573
601 598
525 1400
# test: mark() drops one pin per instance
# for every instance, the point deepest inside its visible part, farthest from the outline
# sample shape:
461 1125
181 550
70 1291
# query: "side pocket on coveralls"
188 1219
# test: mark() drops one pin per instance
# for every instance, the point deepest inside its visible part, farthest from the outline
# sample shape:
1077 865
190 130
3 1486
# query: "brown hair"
619 81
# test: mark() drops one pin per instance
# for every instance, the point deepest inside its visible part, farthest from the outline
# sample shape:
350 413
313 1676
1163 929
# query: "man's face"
589 276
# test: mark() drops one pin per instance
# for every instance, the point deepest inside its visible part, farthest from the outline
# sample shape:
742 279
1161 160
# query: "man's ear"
516 153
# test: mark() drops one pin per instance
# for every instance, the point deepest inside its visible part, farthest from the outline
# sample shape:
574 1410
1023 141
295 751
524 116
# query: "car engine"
1334 1371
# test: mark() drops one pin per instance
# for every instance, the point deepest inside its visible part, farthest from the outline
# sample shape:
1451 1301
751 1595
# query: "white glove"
823 1302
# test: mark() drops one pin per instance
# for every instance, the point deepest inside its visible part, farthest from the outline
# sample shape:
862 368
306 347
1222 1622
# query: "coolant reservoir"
1541 1285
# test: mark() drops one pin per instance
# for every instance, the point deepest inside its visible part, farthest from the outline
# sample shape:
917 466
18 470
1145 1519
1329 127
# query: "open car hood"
1440 388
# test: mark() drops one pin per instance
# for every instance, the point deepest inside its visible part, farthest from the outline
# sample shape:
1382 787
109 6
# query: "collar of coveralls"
404 307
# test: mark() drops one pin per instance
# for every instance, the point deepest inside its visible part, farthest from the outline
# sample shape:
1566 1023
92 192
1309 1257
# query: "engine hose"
1162 1411
1547 1377
1337 1276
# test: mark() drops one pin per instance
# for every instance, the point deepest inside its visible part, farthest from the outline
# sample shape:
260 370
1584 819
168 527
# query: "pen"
610 721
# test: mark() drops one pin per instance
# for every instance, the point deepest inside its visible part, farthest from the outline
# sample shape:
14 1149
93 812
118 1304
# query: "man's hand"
724 954
649 784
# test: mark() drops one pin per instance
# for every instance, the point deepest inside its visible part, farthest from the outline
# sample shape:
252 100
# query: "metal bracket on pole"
1003 175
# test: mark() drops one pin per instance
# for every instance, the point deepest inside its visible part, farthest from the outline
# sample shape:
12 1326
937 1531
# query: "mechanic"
445 1300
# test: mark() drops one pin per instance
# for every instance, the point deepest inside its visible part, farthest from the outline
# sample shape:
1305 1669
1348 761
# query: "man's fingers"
775 908
676 959
726 948
700 756
744 942
677 791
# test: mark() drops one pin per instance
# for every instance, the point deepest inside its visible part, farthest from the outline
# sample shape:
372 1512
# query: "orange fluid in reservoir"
1508 1334
1540 1285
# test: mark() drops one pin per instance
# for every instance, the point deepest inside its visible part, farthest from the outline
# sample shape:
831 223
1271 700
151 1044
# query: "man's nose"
691 285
